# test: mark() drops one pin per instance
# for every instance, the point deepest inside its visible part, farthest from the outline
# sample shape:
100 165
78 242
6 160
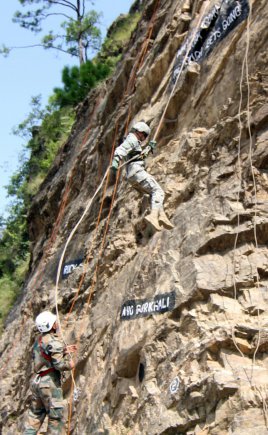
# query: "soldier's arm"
60 360
123 149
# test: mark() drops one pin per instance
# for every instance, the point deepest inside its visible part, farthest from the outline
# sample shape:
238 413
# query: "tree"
78 82
35 117
80 31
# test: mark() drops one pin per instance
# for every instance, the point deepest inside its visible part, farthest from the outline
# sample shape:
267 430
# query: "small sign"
145 307
174 386
70 267
222 18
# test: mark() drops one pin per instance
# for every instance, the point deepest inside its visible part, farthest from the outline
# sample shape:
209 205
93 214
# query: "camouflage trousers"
145 183
47 400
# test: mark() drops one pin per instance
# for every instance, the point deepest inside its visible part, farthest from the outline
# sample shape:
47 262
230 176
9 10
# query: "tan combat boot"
152 219
163 219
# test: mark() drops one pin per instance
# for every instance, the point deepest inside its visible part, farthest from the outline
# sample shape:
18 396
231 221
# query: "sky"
30 72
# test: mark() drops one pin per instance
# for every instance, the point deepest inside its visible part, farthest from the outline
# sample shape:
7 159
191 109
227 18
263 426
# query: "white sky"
29 72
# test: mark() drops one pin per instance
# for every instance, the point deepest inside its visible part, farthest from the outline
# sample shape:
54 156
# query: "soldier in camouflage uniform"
136 174
50 358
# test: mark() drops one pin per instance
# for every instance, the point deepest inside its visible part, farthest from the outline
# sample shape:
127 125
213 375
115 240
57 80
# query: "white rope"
181 69
88 206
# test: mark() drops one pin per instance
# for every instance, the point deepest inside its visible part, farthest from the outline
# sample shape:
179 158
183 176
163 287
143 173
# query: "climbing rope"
89 204
87 208
205 7
94 279
256 389
81 281
129 88
117 179
136 66
245 70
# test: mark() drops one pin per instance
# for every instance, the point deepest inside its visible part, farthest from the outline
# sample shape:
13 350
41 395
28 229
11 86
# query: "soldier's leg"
156 192
147 184
56 410
35 416
157 215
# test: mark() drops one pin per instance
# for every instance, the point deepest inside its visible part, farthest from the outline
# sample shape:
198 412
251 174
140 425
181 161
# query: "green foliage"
80 28
84 31
78 82
25 128
8 293
46 130
4 50
14 258
118 36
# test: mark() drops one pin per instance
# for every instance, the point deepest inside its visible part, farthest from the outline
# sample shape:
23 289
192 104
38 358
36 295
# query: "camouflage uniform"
47 397
136 174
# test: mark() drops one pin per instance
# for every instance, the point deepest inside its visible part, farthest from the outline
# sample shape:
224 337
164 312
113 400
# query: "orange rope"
95 231
104 238
91 291
131 80
143 51
129 85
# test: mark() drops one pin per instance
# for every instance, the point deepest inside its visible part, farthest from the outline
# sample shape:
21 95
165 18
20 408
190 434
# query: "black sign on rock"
70 266
218 23
145 307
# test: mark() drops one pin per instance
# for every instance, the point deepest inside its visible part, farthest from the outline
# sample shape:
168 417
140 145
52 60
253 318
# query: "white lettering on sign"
70 267
236 12
216 25
128 311
213 38
138 309
197 37
195 56
160 304
210 17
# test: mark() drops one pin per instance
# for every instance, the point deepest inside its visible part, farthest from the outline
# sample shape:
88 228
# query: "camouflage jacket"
48 351
131 148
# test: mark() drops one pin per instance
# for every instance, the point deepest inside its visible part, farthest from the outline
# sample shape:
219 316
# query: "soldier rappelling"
131 149
50 357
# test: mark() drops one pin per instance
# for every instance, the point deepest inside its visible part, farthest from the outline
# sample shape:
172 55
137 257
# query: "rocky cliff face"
172 326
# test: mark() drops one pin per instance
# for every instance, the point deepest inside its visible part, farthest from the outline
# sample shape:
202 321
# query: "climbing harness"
45 372
43 353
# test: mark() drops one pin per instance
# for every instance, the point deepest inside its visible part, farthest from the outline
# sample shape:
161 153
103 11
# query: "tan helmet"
45 320
142 127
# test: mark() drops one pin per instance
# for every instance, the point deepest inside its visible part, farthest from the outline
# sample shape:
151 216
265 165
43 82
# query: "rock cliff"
172 326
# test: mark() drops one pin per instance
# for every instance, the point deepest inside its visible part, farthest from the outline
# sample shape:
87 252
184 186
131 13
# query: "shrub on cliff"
45 131
118 36
78 81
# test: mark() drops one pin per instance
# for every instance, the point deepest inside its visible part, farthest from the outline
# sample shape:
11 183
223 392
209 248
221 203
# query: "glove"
115 164
152 144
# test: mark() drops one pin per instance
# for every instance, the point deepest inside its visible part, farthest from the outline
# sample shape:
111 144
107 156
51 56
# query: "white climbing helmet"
45 320
142 127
